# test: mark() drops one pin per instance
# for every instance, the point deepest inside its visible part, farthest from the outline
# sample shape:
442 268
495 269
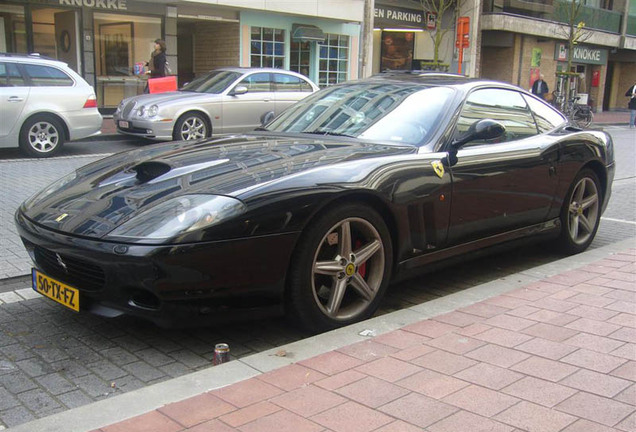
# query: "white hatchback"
43 104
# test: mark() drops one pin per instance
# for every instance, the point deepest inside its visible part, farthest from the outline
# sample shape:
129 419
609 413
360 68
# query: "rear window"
47 76
10 76
290 83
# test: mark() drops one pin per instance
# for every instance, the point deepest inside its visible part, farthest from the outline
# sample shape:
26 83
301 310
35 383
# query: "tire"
581 213
340 270
191 126
41 136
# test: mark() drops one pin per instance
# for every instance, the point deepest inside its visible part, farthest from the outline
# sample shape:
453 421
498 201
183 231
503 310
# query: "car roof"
256 69
436 79
33 57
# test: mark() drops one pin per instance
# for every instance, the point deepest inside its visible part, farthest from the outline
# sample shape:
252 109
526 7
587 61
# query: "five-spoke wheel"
581 212
341 268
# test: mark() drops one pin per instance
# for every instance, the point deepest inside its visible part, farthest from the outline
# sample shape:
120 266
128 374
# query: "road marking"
618 220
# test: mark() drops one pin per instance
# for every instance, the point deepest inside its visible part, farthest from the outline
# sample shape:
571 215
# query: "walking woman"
157 62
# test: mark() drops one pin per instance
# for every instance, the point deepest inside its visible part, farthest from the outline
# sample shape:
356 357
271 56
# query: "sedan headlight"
179 216
150 111
120 107
53 187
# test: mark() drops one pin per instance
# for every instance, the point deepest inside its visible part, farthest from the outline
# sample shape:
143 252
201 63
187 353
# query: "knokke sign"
100 4
581 54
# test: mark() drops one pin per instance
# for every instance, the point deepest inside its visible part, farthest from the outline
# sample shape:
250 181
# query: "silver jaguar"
225 100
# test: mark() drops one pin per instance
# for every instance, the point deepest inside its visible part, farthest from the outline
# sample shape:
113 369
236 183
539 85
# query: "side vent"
147 171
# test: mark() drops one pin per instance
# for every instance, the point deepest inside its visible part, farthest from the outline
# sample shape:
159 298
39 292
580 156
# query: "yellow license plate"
56 290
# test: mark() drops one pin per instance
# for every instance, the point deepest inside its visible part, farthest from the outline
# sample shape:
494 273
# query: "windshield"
213 82
402 113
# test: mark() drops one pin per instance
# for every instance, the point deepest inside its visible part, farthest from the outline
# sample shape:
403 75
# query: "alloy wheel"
348 269
583 210
193 128
43 136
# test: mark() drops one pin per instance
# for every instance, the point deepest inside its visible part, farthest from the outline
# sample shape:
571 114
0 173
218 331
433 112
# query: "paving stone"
532 417
34 367
596 408
55 384
38 401
106 370
16 416
16 382
7 400
74 399
144 371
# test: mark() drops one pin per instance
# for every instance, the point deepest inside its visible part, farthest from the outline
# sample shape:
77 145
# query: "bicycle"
580 115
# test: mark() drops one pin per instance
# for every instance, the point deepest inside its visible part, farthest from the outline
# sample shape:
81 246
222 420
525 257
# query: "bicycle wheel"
582 118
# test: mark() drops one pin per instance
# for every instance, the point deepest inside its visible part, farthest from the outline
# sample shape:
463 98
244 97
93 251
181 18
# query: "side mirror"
480 130
267 117
238 90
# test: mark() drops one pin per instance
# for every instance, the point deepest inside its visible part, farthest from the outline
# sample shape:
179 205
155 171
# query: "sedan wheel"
191 127
41 136
581 213
342 269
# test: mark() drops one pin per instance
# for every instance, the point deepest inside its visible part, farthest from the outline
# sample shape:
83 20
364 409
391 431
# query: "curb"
110 411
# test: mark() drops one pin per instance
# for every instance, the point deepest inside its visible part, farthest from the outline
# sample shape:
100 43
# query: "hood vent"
147 171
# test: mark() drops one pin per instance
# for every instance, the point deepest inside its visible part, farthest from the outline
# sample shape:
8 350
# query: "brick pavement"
555 355
531 354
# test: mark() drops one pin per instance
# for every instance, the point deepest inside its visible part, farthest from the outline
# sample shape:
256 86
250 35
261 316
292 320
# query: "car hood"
105 194
170 97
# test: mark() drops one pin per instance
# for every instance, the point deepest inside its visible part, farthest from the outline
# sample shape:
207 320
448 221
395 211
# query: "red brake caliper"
362 269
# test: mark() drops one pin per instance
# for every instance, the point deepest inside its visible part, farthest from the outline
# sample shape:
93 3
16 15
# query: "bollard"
221 353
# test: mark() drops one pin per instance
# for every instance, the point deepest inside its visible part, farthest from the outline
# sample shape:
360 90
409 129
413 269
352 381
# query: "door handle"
267 100
15 99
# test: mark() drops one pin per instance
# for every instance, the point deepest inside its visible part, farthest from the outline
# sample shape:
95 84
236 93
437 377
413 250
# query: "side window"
505 106
46 76
10 76
290 83
547 117
257 83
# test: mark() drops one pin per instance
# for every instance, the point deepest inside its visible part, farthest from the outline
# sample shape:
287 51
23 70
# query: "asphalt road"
52 359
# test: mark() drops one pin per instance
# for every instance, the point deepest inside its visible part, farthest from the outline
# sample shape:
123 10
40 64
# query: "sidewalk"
548 349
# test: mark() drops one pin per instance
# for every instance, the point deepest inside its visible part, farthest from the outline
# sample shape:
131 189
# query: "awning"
307 33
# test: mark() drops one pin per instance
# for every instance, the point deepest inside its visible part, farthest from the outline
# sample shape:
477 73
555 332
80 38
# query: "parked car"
227 100
355 186
44 103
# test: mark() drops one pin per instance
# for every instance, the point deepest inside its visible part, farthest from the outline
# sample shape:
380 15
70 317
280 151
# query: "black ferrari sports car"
317 212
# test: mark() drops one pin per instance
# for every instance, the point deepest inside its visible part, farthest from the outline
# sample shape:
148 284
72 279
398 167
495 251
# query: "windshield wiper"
324 132
261 128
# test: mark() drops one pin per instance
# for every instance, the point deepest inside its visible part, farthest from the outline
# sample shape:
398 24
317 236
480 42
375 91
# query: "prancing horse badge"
438 167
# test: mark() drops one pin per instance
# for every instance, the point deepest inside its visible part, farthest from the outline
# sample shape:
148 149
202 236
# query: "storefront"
400 37
106 41
325 51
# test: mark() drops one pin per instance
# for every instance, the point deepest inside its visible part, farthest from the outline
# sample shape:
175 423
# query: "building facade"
521 40
109 41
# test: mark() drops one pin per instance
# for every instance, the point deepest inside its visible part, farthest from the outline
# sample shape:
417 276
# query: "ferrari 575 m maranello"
315 213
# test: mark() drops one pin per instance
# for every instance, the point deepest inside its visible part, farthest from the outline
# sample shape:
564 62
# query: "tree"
574 32
442 27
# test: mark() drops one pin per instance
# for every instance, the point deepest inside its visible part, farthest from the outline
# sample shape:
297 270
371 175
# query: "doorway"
56 35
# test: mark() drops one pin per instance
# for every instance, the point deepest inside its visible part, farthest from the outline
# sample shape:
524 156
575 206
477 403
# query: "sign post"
462 41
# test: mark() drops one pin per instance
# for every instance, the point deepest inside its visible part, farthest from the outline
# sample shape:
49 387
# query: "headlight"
120 107
141 111
178 216
152 111
53 187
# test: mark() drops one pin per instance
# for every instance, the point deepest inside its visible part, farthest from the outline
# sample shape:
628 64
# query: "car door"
242 112
289 89
504 184
14 95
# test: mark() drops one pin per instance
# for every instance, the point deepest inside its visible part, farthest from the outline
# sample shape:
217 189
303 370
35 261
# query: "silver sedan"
226 100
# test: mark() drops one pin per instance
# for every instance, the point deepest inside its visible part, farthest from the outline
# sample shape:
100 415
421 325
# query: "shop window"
334 60
12 29
300 55
267 47
46 76
123 44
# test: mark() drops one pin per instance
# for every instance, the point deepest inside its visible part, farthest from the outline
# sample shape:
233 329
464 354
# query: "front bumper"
171 285
157 130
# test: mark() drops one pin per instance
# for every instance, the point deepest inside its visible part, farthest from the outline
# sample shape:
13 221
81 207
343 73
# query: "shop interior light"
409 30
